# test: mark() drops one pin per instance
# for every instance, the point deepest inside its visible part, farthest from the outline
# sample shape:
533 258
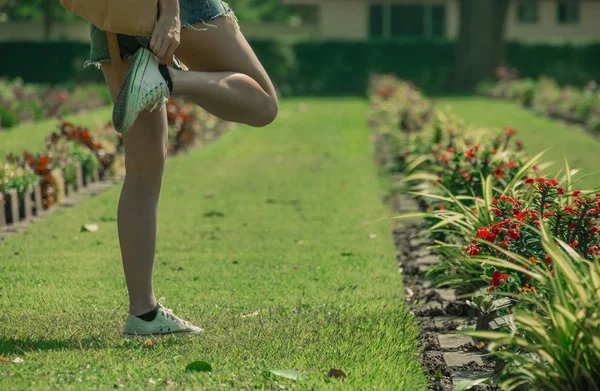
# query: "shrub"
510 234
554 344
12 176
546 97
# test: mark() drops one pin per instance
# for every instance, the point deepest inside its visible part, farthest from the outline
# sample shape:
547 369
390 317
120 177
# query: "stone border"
447 357
32 206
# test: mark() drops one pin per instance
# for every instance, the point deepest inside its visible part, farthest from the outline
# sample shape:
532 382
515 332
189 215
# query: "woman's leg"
225 77
145 155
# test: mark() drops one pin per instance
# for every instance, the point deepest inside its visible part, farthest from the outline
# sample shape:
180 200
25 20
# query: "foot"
164 323
147 86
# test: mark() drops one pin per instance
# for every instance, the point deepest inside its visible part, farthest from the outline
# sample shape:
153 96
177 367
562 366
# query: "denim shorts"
191 12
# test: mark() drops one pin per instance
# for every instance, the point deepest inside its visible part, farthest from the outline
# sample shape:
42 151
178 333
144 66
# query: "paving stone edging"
447 357
66 196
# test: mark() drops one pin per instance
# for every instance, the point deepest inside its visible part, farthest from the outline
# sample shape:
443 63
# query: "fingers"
170 51
163 51
163 47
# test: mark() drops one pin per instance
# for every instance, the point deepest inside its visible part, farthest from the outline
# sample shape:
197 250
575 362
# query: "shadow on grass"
15 346
10 346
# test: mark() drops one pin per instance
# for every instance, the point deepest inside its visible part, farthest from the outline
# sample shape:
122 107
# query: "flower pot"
79 177
11 207
38 201
2 210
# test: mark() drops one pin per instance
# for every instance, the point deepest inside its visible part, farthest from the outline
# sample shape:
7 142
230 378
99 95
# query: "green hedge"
567 64
322 68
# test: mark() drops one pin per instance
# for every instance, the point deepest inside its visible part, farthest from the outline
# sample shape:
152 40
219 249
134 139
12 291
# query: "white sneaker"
147 86
165 323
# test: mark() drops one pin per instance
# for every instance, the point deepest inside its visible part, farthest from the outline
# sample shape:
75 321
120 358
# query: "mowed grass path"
267 238
538 133
31 137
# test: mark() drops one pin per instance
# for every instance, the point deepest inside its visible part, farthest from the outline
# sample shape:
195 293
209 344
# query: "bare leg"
145 155
225 78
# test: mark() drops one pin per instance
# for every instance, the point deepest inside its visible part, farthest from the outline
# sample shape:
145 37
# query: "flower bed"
522 247
20 103
75 157
546 97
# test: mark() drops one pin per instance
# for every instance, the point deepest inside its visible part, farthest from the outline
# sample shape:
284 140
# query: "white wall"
547 29
344 19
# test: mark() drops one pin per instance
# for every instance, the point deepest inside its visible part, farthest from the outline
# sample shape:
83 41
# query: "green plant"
13 176
555 345
8 117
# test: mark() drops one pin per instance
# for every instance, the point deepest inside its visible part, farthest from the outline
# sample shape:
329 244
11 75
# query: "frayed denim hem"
229 14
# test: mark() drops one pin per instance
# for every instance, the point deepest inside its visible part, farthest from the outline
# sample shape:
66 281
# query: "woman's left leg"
225 77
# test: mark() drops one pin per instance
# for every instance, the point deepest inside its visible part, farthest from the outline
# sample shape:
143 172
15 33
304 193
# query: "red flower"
594 229
529 181
495 279
514 234
576 193
485 233
512 164
450 150
519 145
553 182
475 147
504 277
548 260
504 243
511 131
473 250
561 191
470 154
498 212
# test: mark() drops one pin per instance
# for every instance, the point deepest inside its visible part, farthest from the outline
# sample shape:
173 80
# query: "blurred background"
330 47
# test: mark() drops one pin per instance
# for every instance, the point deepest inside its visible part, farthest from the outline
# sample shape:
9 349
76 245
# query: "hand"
166 34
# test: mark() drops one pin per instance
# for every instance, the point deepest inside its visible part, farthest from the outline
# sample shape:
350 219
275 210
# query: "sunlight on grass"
270 239
537 132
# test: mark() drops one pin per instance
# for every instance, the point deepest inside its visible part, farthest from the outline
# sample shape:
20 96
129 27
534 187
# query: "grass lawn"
267 239
537 132
31 137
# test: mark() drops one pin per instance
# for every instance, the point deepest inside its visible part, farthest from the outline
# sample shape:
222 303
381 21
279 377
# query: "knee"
268 113
147 167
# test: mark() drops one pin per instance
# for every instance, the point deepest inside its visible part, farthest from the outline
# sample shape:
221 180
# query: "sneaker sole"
180 333
123 114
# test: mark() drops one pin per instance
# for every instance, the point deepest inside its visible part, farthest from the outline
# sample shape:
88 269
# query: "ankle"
140 308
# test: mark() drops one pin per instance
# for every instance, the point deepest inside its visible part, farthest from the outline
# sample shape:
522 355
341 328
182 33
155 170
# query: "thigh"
221 47
146 142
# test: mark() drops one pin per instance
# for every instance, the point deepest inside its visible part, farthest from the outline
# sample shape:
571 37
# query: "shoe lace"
153 95
169 314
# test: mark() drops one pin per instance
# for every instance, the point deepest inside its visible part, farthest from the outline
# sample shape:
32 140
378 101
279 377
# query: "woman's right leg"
145 154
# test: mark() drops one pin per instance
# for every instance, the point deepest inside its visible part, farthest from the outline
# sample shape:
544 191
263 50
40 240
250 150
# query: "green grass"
300 202
31 137
537 132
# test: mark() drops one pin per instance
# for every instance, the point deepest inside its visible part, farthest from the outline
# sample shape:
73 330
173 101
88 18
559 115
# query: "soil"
427 302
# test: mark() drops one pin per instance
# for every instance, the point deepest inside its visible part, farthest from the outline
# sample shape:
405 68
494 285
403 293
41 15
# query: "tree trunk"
48 9
480 45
